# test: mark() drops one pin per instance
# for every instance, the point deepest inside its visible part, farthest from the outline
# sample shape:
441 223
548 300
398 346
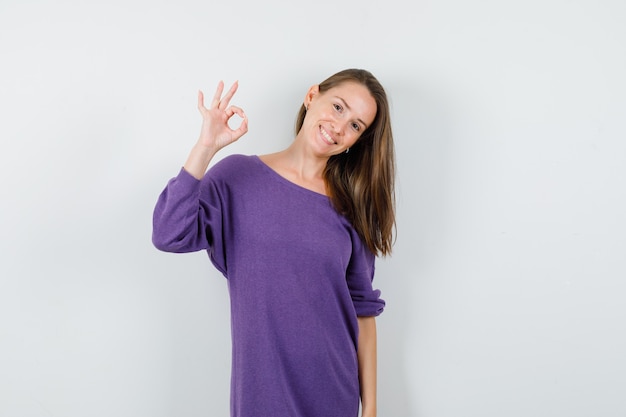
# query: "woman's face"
336 118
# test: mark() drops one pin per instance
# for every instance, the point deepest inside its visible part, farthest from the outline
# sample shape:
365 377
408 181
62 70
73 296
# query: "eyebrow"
348 107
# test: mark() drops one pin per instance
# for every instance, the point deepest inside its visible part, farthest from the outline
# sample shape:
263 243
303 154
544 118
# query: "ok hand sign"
216 133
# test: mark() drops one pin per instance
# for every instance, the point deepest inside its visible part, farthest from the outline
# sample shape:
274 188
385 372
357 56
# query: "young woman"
296 234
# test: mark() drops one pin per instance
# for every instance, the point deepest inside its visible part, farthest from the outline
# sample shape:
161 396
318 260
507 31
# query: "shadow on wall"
421 132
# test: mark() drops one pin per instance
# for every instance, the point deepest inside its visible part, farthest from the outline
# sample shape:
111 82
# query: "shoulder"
232 167
234 162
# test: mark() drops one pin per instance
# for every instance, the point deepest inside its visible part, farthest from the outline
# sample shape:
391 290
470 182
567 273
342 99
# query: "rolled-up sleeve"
360 276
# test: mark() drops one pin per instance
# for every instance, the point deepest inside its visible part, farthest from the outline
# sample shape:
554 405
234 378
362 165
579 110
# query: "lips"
327 137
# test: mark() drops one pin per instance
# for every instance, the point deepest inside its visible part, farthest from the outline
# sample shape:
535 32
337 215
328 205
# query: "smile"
327 137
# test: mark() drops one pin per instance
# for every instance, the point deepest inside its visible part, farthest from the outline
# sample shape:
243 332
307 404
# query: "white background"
507 285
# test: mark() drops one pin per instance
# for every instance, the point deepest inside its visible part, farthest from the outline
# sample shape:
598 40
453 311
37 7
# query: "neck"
304 163
299 165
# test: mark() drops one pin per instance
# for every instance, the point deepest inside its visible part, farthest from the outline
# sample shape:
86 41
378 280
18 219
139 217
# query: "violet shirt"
298 276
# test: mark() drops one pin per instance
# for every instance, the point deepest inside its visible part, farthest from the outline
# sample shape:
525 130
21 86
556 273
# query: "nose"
339 126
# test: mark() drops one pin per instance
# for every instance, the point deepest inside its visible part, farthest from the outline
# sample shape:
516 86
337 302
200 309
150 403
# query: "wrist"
205 151
199 159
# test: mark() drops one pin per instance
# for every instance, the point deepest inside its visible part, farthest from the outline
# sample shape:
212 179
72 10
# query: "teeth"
327 137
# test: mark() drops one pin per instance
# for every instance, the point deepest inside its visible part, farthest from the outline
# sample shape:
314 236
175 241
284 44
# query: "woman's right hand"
215 132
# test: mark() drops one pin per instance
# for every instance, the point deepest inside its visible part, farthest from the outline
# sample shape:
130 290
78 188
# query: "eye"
356 127
338 107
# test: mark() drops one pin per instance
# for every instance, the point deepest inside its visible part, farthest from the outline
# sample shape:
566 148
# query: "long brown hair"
360 183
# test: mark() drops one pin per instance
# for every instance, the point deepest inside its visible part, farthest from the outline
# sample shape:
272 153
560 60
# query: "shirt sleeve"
360 276
188 218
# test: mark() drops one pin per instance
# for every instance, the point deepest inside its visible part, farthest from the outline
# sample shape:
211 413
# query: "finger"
243 127
232 110
241 130
200 100
231 92
218 94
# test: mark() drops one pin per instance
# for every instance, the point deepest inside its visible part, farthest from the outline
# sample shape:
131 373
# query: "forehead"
357 97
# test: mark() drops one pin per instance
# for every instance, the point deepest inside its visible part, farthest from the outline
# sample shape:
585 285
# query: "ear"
310 95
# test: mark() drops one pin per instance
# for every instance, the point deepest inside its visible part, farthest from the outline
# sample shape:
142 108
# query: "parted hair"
360 183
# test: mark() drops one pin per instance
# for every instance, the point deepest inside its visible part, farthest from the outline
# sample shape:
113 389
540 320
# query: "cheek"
353 138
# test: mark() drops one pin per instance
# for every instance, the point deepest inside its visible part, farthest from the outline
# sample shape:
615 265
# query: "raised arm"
187 216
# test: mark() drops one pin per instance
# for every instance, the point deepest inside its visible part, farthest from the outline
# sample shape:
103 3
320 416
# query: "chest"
290 224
